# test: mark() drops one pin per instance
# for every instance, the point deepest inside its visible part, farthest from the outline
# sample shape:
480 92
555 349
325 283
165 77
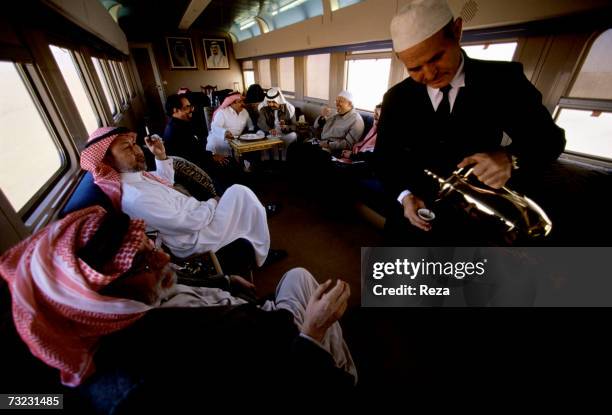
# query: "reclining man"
187 226
92 287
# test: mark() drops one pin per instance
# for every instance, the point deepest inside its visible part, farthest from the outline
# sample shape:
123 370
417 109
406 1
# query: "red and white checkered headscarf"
92 160
229 100
56 306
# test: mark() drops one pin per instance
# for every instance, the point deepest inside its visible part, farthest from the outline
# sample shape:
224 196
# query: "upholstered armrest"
191 177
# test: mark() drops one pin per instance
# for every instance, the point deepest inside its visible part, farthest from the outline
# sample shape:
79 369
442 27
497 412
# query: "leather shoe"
275 255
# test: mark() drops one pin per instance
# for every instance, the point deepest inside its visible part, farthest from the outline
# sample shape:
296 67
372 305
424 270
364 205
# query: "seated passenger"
93 298
198 101
187 226
364 150
342 130
229 120
254 96
311 160
277 117
182 140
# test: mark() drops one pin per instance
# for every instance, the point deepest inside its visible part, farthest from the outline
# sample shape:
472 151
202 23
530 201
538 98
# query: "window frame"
259 72
366 55
112 86
106 82
476 42
244 80
584 104
112 64
124 66
38 210
85 76
309 98
291 94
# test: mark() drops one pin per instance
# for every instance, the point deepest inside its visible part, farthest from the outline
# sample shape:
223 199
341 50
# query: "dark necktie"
443 111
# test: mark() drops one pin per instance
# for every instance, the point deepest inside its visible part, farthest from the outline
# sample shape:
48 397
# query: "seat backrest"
311 111
86 194
368 121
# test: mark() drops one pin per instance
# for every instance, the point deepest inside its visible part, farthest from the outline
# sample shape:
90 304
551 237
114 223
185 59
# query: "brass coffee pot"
516 212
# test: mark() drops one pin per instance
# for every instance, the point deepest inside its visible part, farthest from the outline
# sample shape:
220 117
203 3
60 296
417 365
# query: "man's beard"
141 165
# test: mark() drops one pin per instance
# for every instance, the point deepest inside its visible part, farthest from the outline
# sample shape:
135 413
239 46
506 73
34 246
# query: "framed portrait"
181 54
215 52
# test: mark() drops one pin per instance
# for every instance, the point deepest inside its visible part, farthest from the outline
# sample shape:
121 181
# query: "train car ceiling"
93 18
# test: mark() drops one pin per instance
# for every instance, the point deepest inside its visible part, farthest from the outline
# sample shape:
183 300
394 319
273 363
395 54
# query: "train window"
491 51
587 132
249 78
118 81
127 79
286 74
73 77
586 112
245 29
594 80
340 4
317 76
23 172
283 13
248 74
105 85
368 80
265 76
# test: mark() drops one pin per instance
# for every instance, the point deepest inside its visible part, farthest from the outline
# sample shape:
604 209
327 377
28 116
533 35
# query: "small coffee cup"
426 214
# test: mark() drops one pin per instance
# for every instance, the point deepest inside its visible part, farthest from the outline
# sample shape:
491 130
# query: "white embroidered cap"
347 95
417 21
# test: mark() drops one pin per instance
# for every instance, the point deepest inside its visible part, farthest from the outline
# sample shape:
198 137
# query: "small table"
239 147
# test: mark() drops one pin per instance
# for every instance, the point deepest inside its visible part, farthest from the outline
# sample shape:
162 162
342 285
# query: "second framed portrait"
215 52
181 53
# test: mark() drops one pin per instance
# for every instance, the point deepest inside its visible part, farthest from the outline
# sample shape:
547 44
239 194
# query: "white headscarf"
275 94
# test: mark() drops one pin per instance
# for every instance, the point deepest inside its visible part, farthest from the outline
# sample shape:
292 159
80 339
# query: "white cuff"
163 163
403 195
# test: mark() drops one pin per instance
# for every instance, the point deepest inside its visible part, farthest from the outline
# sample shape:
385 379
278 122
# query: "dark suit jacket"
181 139
496 98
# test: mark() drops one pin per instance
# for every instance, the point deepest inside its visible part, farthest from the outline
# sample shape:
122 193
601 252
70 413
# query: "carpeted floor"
324 239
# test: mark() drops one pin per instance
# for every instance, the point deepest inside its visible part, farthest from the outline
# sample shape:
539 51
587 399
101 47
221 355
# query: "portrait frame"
180 52
215 63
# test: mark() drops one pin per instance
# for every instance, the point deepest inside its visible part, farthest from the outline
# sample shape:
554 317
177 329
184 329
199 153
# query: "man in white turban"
341 131
277 116
453 111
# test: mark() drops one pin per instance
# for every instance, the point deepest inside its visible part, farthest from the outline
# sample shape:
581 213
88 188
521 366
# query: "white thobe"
188 226
226 119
